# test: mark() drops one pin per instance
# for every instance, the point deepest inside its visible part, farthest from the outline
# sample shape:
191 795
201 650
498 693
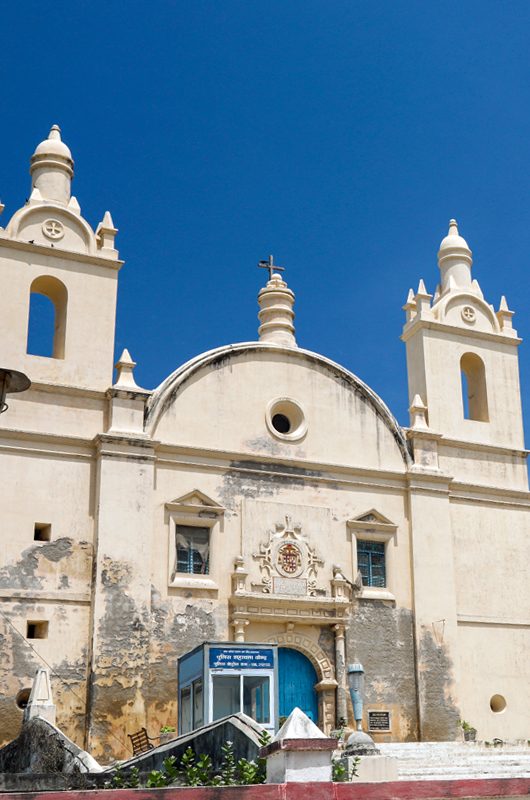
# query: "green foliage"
339 772
228 765
249 772
133 778
338 733
118 780
121 781
199 772
167 729
195 773
164 777
466 726
195 770
155 779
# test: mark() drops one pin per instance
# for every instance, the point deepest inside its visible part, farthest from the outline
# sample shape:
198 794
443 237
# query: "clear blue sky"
339 136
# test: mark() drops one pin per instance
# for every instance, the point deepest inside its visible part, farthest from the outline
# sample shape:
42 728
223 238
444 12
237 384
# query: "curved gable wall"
219 400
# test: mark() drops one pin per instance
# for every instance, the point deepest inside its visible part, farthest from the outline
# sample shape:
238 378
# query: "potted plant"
166 734
470 732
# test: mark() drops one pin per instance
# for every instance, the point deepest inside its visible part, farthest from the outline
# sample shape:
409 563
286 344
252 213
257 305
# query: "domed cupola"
455 260
52 168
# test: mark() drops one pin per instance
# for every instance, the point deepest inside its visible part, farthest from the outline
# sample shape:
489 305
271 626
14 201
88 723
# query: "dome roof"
53 146
453 240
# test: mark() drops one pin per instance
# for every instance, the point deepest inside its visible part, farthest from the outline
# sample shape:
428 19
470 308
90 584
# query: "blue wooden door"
297 679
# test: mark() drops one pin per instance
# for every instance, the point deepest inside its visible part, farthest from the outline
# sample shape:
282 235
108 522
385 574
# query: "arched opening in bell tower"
47 317
474 391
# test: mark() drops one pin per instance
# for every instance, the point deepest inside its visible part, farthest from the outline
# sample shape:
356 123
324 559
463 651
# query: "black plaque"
379 720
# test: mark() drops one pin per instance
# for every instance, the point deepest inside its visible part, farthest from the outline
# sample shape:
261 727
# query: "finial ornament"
276 313
454 260
271 266
125 368
52 169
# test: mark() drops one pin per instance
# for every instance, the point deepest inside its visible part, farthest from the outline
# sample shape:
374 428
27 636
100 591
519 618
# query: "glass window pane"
193 549
371 562
197 705
225 695
256 703
185 710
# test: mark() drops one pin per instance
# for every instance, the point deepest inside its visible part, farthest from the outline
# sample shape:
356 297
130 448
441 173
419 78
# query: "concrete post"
299 752
40 703
340 673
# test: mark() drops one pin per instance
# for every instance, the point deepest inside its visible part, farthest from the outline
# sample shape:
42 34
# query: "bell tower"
462 356
49 249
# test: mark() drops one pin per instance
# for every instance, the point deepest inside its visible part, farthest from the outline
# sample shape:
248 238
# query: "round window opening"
281 423
285 419
497 703
22 697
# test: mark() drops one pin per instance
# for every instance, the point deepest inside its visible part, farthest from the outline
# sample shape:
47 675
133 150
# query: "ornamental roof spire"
52 168
276 303
455 260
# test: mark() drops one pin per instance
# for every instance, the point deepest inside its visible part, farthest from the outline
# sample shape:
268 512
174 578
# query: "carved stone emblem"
468 314
53 229
288 555
289 559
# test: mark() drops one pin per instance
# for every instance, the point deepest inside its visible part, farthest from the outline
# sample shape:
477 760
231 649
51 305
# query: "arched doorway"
297 679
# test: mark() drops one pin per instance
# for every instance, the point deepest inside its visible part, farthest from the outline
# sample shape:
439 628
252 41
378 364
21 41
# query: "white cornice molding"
69 255
416 324
67 389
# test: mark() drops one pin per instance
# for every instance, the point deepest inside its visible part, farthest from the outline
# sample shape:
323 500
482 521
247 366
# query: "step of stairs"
458 760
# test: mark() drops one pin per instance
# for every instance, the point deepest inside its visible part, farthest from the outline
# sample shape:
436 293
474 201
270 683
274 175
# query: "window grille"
371 562
193 550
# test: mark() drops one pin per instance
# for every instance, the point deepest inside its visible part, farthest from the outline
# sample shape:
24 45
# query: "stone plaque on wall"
379 720
292 586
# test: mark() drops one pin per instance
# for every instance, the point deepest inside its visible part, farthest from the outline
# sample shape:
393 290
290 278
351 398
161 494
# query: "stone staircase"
458 760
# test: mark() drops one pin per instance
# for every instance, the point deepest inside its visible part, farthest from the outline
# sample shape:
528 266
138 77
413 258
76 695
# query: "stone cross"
271 266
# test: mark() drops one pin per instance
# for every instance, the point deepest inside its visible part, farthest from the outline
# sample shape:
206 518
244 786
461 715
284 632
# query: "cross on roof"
271 266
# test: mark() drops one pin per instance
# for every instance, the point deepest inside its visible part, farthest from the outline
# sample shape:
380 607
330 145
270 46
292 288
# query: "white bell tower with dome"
48 248
462 355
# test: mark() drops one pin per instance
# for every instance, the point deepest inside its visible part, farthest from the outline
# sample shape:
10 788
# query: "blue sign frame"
241 658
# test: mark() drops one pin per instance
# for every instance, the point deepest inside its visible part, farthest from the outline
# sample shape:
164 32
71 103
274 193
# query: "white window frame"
196 516
374 531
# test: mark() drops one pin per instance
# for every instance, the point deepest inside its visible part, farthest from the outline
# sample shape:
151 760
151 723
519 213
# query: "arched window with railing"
47 317
474 389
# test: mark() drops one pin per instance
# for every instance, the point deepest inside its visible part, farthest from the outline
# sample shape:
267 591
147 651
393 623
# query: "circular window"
497 703
281 423
286 419
23 697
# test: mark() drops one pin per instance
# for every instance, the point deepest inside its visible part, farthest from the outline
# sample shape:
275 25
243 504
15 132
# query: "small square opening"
42 532
37 630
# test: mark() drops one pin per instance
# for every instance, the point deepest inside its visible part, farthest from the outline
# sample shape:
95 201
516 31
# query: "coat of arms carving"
287 554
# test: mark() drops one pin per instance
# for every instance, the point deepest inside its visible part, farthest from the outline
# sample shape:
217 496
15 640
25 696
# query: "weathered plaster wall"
46 581
65 650
381 637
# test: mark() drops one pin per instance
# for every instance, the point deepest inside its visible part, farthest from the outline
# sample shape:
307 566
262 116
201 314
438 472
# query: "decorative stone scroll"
288 564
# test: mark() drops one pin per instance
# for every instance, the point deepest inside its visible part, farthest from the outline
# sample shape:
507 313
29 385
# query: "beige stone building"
262 493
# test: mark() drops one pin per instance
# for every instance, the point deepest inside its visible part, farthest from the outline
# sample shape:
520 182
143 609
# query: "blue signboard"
241 658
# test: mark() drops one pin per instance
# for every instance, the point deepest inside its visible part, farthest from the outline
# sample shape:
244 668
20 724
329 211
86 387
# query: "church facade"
262 494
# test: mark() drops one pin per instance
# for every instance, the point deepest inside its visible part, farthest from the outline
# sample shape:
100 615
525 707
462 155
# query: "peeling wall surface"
102 479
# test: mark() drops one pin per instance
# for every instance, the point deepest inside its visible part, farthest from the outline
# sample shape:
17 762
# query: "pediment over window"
195 501
372 519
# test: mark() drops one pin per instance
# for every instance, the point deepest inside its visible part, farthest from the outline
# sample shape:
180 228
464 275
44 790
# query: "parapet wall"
396 790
